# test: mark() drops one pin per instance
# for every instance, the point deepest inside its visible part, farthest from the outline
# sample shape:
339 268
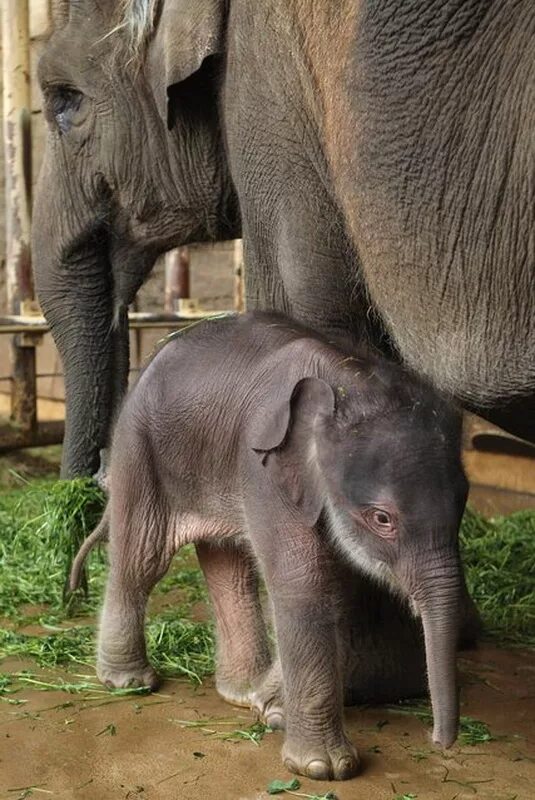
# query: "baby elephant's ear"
308 398
285 438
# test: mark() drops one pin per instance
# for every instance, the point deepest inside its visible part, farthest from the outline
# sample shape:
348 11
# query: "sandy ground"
65 748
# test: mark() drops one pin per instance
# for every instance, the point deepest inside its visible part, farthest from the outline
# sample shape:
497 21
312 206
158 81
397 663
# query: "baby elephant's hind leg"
139 557
243 654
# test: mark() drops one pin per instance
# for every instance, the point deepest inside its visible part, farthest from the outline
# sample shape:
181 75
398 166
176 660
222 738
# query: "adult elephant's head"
134 165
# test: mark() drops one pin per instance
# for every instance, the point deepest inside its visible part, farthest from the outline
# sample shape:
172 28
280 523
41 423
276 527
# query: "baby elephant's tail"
100 534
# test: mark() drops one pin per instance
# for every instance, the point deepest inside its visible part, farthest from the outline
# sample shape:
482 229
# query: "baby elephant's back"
190 405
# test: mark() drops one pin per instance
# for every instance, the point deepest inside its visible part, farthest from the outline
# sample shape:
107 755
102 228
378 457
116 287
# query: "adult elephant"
382 153
121 183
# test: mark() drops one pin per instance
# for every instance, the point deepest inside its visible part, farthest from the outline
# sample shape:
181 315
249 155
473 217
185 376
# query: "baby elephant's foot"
267 700
128 678
237 694
319 762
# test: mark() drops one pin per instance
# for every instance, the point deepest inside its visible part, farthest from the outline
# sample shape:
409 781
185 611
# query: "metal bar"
17 156
38 375
16 323
46 433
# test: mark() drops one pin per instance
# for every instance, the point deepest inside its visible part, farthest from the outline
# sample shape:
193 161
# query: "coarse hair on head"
136 20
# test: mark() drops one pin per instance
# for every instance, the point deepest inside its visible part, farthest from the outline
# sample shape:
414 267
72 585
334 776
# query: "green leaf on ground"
278 787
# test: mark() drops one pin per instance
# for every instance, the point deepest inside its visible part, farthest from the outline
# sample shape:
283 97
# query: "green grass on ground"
42 523
499 561
41 526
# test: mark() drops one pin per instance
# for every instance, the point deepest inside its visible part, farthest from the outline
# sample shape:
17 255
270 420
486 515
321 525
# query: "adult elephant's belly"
470 334
458 302
433 158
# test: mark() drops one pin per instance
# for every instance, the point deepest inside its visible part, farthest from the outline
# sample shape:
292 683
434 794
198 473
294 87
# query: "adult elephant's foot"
267 700
320 762
127 677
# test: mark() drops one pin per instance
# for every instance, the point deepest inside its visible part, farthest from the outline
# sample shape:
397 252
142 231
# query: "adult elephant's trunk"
76 297
440 603
85 280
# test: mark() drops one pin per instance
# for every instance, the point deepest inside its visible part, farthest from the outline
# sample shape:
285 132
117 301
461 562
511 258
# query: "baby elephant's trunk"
440 610
100 534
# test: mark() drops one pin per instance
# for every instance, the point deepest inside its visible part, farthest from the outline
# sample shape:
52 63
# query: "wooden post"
239 286
17 150
177 286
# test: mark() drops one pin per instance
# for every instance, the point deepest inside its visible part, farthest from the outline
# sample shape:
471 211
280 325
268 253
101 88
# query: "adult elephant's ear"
284 436
186 32
59 12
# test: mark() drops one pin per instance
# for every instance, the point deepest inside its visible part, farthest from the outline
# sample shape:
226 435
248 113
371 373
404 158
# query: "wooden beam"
17 152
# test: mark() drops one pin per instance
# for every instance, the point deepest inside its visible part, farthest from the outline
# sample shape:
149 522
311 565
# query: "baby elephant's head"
379 460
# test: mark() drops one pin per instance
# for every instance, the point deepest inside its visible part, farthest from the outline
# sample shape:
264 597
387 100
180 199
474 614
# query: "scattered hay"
471 731
42 524
41 527
499 559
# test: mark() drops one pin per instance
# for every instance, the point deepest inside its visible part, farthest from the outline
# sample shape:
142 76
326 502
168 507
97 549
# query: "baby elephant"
266 445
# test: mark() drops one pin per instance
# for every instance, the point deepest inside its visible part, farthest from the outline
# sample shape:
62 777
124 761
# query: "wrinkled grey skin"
126 176
384 157
383 154
265 444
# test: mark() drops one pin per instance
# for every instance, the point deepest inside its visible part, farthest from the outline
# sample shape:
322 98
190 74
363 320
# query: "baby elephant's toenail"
318 770
290 766
275 721
347 767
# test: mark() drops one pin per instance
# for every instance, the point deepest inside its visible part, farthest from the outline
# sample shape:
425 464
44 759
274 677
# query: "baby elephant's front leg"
300 581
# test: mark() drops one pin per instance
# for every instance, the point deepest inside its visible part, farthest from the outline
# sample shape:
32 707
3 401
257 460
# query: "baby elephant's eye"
381 517
381 522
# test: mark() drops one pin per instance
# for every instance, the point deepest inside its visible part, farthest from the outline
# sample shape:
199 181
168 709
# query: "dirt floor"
56 744
140 747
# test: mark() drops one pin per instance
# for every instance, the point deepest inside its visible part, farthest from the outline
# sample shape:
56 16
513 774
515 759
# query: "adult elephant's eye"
63 103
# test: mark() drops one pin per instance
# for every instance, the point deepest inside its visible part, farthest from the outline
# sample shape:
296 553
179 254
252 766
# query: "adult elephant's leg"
297 255
384 655
243 653
305 269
